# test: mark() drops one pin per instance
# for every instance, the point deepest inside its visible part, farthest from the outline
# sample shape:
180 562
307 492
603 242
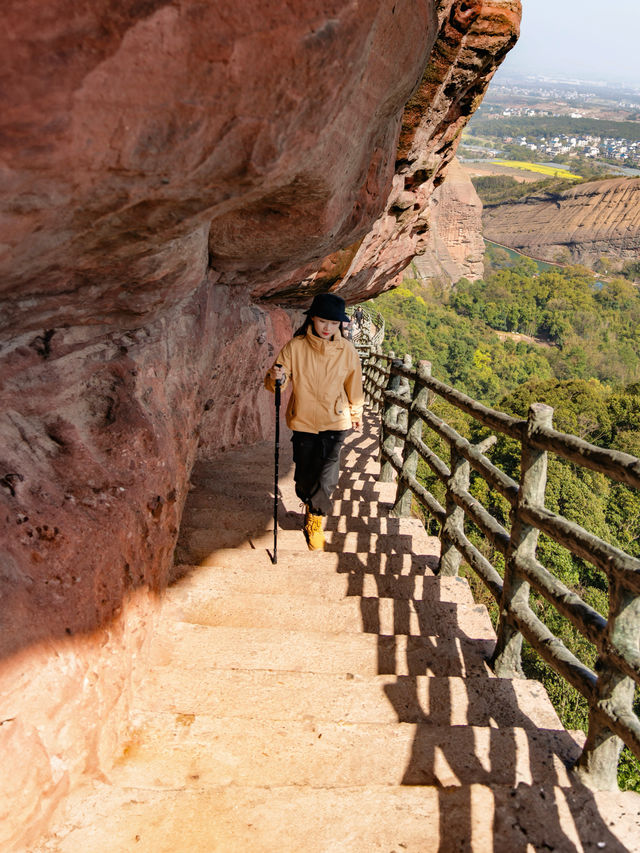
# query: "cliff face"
454 247
173 174
589 221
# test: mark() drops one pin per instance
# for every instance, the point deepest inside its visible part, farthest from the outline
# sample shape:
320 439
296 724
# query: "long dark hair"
302 331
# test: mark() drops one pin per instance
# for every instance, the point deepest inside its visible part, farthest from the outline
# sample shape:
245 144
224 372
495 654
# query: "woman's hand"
276 373
356 424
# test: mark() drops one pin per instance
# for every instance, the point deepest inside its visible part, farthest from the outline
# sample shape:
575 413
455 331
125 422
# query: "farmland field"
549 171
484 168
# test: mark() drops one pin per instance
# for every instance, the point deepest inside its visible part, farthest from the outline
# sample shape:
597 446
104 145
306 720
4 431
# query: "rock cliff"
175 177
587 221
455 248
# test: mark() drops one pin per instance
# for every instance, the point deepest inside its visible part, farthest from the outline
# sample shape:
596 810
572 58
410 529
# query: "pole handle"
278 381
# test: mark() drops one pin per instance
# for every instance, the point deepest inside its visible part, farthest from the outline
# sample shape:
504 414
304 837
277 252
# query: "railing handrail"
609 693
620 466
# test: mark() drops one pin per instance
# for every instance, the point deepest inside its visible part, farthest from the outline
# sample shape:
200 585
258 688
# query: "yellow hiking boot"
313 531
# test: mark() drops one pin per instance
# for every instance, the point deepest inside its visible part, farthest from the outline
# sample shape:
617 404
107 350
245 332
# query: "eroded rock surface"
583 224
170 174
455 246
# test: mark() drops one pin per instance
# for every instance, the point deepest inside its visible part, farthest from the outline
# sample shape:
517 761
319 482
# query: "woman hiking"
326 402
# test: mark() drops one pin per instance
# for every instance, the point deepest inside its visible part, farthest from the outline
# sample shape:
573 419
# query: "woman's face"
325 328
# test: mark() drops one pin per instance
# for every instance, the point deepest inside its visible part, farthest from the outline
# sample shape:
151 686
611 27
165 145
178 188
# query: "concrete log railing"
609 690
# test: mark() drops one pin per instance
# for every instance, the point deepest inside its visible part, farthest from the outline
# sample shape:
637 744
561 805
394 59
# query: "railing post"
597 767
450 557
389 418
524 541
402 506
368 372
404 389
376 377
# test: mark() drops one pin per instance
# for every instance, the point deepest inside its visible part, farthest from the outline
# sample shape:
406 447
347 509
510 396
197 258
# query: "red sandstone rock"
473 39
454 245
147 141
158 162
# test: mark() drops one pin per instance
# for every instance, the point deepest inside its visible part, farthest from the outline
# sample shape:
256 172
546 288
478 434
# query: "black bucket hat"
328 306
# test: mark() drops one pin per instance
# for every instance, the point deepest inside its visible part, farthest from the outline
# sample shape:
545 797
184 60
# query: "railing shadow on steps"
477 737
609 690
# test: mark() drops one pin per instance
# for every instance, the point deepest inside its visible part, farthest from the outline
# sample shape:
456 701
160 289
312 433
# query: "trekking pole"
274 559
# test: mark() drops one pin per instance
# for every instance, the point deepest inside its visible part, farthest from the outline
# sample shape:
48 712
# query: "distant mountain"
580 224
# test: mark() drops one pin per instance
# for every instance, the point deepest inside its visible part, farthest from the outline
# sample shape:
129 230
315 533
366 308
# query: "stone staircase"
339 701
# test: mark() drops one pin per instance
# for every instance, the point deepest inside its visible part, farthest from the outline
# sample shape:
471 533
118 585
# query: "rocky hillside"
174 178
454 247
588 221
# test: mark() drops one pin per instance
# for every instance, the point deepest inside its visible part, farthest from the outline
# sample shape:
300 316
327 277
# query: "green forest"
519 336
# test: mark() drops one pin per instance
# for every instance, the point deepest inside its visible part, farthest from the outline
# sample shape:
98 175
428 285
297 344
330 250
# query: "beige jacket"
326 383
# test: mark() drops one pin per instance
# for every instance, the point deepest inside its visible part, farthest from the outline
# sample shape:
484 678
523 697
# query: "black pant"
317 460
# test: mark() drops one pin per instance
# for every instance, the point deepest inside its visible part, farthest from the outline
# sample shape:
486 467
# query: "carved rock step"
296 574
364 507
415 819
204 542
383 616
359 505
359 461
316 651
350 487
372 526
292 519
355 489
378 525
316 561
347 698
178 751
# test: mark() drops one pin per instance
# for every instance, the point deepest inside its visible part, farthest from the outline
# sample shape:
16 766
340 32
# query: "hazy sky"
591 39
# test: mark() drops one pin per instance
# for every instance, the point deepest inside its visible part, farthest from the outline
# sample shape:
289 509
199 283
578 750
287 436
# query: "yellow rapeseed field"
550 171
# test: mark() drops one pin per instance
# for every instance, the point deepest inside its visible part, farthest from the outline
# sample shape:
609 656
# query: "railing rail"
402 394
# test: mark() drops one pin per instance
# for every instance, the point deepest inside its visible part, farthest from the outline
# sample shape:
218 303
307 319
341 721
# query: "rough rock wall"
588 221
455 248
165 167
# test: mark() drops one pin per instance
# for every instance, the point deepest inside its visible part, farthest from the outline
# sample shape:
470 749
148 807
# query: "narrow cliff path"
338 701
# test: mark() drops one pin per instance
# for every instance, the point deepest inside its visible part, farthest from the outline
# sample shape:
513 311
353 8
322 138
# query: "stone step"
210 518
296 575
384 616
293 519
385 493
415 819
354 468
382 525
356 507
180 751
381 563
190 645
347 698
203 542
364 542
